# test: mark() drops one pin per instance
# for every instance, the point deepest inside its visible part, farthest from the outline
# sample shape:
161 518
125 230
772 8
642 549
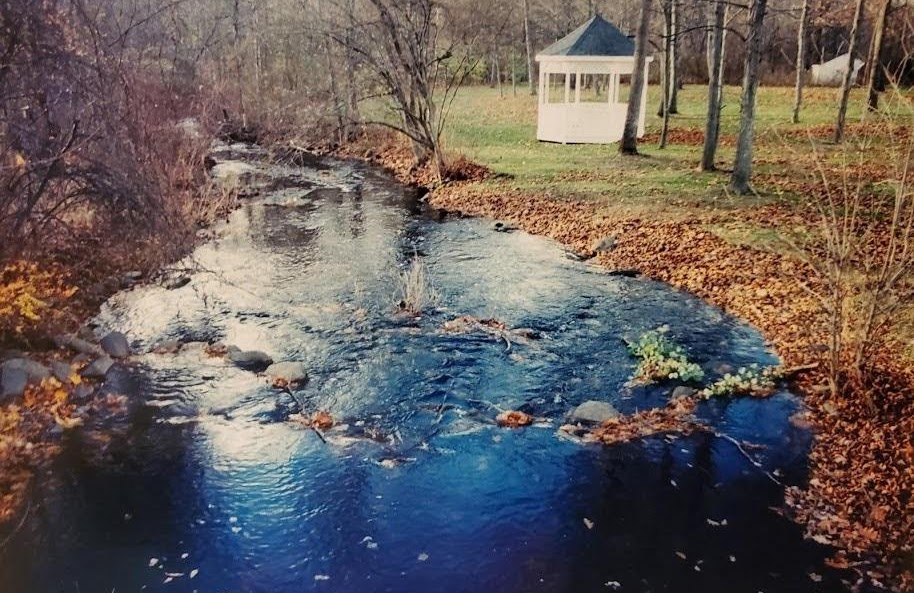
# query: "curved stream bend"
215 490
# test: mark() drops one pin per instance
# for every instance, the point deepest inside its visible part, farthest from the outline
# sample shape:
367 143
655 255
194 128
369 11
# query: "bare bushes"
861 250
91 153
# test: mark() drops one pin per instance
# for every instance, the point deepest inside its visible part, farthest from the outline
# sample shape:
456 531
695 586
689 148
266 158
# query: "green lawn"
500 132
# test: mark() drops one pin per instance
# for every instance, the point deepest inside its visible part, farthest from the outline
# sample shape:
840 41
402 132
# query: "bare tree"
861 254
876 76
667 75
528 44
715 85
403 44
742 168
801 61
675 31
848 82
629 142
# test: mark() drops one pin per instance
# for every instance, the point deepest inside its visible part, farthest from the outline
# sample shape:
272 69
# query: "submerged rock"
292 373
98 369
115 345
167 347
594 412
625 273
79 345
176 283
682 391
504 227
34 371
12 383
249 360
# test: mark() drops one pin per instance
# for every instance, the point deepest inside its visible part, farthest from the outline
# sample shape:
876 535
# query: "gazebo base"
579 123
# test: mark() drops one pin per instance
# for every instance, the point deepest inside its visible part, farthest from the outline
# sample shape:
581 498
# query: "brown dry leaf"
514 419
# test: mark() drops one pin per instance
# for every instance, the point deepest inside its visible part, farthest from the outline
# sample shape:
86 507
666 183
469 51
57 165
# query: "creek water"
213 487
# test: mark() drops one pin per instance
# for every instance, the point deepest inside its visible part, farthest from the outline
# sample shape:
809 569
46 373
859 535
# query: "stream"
213 486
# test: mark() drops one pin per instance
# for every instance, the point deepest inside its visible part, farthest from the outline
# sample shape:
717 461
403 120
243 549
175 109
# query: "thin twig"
18 526
755 463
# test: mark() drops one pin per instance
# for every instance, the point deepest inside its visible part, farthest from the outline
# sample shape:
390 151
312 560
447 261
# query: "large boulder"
249 360
12 383
292 373
115 345
34 371
594 412
98 369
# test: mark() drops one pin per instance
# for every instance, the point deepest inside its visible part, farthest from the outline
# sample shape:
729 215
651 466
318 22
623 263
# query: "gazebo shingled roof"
596 37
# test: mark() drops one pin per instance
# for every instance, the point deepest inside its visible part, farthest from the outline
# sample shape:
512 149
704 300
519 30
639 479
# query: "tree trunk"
665 69
629 142
742 167
513 72
848 83
667 74
715 70
674 64
877 75
501 88
529 45
801 62
352 93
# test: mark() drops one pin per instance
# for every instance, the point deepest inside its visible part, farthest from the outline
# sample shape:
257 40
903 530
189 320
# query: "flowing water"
214 486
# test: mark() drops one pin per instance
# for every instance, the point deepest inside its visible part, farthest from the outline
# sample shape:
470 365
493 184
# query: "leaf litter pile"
860 496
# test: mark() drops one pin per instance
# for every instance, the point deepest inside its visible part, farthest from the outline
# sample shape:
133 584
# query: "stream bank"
869 520
215 484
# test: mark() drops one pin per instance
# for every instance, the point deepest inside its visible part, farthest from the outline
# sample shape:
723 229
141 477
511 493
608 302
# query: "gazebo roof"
596 37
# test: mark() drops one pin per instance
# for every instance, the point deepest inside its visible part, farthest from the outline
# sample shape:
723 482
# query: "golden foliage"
25 441
31 296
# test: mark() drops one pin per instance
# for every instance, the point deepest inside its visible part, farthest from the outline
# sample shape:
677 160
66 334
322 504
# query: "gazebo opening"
584 85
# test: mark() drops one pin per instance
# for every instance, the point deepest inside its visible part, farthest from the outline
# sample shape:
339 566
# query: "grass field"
500 132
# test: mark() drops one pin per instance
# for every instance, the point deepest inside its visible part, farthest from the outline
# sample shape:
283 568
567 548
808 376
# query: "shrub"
752 380
662 360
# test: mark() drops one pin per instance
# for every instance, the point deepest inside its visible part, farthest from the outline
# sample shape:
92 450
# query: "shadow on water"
213 489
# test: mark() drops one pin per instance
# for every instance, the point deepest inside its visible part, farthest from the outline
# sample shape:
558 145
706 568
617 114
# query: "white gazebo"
585 81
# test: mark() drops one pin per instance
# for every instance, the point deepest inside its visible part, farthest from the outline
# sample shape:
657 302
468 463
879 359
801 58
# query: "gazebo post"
567 84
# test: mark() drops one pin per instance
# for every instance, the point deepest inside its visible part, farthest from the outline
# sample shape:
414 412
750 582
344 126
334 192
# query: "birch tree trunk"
801 62
529 45
742 167
712 123
848 82
877 76
629 143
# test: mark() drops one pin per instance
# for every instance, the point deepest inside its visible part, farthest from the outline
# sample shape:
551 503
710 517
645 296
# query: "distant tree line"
92 92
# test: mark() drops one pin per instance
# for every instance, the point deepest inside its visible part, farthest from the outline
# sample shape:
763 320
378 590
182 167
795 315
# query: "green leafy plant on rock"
662 359
753 380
